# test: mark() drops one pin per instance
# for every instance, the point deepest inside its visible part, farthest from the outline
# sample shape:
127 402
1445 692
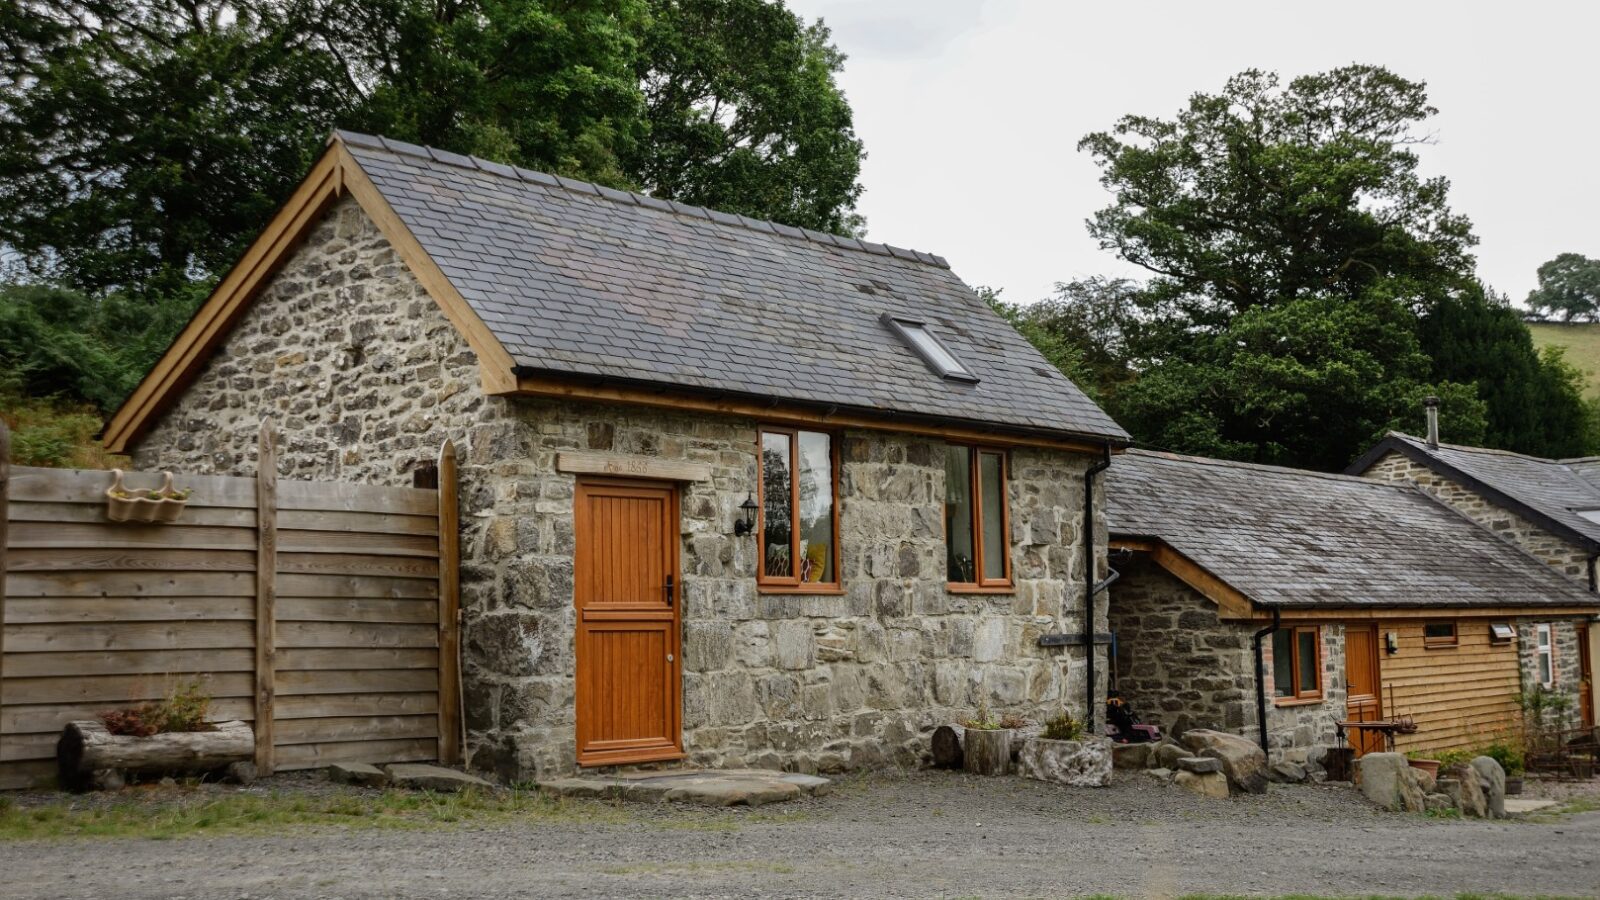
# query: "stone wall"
1565 556
1175 655
1566 661
366 378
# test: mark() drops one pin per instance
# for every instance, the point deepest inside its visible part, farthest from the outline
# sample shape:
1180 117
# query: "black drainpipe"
1261 677
1594 586
1090 588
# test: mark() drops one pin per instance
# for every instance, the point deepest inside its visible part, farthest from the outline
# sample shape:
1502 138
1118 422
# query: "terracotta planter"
1431 766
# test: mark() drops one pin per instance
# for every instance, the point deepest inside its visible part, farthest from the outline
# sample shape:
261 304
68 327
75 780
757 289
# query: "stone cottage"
1274 602
732 492
1550 508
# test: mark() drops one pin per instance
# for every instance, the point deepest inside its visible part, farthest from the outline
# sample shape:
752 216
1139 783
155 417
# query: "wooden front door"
626 587
1363 687
1585 678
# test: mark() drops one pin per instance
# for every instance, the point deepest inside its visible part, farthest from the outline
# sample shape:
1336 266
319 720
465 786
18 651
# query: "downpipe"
1261 677
1090 586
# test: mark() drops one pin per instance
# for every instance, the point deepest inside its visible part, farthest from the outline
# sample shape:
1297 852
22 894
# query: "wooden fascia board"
1231 602
780 413
221 311
494 362
1348 614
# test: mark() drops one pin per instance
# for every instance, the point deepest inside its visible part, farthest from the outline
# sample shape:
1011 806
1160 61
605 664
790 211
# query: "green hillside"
1582 343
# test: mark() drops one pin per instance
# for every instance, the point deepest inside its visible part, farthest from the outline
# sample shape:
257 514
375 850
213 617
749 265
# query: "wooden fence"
325 614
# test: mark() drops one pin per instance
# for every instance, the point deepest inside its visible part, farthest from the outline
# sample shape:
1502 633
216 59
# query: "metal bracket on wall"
1072 640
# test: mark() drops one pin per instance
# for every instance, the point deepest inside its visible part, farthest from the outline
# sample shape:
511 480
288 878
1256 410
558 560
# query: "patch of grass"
178 814
1582 343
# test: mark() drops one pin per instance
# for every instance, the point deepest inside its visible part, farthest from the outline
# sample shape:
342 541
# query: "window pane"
776 521
1308 660
816 507
958 515
1546 676
1283 663
933 350
992 487
1439 631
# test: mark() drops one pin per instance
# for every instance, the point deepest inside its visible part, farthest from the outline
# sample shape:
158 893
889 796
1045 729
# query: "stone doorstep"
704 787
1518 806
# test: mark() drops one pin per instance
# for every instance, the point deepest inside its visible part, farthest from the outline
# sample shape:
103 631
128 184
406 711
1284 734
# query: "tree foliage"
1569 287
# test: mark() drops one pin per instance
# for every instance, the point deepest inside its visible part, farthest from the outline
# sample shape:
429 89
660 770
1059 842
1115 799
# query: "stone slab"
360 774
1200 765
704 787
1519 806
420 777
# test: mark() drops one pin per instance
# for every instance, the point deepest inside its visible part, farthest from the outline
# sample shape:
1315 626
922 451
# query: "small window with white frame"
1545 655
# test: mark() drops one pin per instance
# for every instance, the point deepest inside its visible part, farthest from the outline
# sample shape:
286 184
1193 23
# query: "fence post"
5 518
266 594
451 721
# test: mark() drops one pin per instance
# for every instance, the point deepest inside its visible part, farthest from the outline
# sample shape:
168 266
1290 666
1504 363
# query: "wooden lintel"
782 413
1136 545
1231 602
581 463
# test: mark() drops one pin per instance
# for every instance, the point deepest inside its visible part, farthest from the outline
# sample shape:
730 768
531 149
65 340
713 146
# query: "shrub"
183 709
1063 728
1509 757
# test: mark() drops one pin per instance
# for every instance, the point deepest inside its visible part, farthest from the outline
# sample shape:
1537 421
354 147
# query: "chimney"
1431 405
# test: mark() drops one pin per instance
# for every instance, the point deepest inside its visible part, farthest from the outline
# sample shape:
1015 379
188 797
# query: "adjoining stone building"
1362 600
1547 507
730 491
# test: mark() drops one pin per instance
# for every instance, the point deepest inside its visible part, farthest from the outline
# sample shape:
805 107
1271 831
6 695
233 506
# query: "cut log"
987 752
947 747
87 747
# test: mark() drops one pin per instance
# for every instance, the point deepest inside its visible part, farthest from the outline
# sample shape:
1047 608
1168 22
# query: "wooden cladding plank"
95 513
106 690
23 719
315 756
155 560
357 564
18 775
367 498
59 637
358 681
38 485
358 542
318 609
123 536
132 584
126 662
41 610
5 506
357 635
266 596
366 523
313 706
333 729
362 586
313 658
20 747
451 730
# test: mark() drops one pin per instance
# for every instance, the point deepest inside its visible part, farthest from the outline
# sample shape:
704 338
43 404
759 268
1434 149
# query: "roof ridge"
463 161
1487 451
1267 467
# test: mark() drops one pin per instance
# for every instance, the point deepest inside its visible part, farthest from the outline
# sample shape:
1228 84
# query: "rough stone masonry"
365 378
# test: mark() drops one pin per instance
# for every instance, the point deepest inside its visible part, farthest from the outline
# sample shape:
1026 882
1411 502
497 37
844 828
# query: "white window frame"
1544 655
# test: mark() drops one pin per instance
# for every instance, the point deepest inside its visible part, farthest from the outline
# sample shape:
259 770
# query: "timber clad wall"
1461 697
100 615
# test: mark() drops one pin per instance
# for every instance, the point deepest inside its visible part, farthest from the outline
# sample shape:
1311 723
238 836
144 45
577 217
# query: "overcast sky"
971 111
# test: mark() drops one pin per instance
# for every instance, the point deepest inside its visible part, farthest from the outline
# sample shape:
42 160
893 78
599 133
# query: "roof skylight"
1592 515
922 342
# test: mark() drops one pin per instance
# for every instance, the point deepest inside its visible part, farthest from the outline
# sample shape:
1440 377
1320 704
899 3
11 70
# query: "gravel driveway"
919 835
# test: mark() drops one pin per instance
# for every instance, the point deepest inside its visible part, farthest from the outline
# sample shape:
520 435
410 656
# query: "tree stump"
947 747
87 748
987 752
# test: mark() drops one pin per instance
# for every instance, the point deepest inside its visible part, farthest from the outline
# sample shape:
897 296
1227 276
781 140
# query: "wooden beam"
1231 602
266 595
451 721
581 463
783 413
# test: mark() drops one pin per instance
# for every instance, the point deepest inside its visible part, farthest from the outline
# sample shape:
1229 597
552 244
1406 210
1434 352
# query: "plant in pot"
1065 754
171 735
1425 761
987 744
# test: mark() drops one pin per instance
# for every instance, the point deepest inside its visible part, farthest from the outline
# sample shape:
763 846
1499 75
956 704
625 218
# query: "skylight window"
1592 515
932 351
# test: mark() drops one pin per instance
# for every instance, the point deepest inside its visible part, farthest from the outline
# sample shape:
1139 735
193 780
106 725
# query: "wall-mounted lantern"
746 523
1391 642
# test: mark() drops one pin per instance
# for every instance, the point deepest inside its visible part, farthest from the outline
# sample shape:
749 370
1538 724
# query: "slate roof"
583 280
1550 492
1296 539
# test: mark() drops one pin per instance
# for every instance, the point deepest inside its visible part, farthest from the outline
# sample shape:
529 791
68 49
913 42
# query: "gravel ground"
925 834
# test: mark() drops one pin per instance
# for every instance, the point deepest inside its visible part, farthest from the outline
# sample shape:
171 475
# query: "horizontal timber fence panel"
325 614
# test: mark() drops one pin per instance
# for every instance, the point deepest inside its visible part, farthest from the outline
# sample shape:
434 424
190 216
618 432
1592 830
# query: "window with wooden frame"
1297 663
798 535
1439 634
976 523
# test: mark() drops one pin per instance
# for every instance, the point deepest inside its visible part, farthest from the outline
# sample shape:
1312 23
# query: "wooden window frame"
983 585
1440 643
771 584
1298 692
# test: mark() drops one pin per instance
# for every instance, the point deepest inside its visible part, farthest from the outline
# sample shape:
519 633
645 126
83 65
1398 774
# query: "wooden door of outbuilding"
1363 686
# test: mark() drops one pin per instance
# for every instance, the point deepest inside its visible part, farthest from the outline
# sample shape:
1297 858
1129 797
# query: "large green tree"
1569 287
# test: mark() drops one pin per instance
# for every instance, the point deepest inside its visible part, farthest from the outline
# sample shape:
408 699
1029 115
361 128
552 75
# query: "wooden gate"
324 614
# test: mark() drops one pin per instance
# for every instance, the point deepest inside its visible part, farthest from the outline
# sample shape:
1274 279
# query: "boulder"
359 774
1179 726
1243 762
1085 763
1200 765
1438 802
1287 773
1389 781
1208 784
1131 756
417 776
1492 778
1466 793
1166 756
1162 774
242 772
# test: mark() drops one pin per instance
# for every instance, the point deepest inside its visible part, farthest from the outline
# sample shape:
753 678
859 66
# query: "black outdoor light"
747 524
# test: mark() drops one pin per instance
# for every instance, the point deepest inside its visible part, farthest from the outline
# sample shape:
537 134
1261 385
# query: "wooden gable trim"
334 174
1231 602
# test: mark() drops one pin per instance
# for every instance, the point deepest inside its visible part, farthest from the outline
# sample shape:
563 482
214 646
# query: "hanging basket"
163 504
